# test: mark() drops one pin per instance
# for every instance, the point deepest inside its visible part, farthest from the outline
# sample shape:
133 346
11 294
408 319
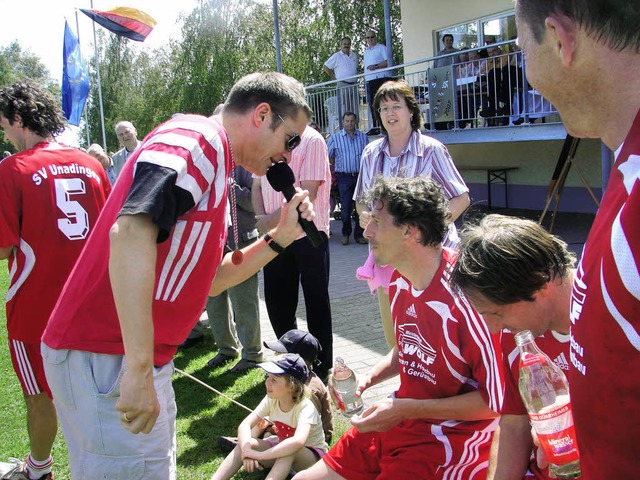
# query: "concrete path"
357 331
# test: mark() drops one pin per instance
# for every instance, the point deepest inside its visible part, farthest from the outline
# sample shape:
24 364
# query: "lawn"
202 415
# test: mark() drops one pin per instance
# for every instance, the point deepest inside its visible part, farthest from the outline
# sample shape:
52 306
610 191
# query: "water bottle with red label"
342 388
545 393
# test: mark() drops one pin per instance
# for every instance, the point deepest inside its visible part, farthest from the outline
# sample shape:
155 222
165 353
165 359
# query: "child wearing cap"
307 346
296 422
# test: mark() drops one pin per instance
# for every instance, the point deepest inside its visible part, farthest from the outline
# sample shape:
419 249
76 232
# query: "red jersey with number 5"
50 198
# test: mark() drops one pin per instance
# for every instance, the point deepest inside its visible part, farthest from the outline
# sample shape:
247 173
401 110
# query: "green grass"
202 414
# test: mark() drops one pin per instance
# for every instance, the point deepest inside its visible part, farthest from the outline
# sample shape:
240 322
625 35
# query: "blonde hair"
298 389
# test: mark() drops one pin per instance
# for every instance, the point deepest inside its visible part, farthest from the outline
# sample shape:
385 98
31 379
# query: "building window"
474 33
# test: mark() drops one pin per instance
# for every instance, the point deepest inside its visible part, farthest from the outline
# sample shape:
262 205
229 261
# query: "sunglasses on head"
294 139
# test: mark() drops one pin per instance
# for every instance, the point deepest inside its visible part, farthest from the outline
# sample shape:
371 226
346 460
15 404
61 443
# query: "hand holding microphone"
281 178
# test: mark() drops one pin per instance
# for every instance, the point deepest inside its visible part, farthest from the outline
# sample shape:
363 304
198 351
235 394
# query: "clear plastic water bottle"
545 392
342 387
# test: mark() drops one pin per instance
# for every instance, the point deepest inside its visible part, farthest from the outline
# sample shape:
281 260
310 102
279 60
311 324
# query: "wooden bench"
495 174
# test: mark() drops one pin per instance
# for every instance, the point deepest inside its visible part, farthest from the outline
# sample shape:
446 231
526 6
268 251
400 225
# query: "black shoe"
219 360
190 342
226 444
374 131
361 240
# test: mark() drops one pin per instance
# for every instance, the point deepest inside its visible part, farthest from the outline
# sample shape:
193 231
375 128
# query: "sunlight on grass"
202 414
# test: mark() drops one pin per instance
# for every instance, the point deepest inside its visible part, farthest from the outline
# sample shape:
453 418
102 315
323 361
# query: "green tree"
135 87
221 41
18 64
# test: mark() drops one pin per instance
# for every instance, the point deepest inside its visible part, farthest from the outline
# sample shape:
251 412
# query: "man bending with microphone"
143 277
301 262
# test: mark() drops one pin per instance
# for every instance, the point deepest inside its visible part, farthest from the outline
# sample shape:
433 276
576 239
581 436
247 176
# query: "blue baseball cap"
297 341
289 363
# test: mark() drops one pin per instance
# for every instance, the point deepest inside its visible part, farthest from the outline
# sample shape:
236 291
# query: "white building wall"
421 17
536 160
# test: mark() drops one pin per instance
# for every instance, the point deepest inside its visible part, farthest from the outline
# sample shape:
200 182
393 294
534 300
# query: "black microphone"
281 178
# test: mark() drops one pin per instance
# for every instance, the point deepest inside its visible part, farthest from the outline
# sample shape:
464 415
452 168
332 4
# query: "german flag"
124 21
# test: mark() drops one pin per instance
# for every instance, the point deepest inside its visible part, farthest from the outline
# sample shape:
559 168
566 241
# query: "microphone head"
280 176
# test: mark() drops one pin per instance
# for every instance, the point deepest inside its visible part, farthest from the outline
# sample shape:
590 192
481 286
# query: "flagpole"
276 28
95 50
86 110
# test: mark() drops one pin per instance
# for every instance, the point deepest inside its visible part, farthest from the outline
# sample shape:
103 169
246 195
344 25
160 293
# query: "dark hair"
350 114
508 259
445 36
344 38
284 94
397 90
611 22
38 109
417 202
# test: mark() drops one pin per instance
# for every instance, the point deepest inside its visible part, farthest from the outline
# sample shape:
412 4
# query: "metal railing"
487 92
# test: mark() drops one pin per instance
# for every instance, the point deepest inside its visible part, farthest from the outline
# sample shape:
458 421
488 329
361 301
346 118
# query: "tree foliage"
221 40
17 64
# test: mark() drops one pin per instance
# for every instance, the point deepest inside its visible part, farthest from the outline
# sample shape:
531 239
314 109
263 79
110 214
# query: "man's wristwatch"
275 246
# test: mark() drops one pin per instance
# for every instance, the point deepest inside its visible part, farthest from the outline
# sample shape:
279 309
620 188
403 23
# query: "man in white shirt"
128 138
375 58
342 66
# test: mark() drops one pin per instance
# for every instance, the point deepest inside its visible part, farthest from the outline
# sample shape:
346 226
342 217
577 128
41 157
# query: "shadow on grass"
203 414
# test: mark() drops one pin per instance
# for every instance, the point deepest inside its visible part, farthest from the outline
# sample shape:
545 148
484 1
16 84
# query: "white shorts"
86 387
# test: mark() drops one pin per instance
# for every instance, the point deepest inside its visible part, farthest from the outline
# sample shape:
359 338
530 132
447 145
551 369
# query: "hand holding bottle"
545 393
342 388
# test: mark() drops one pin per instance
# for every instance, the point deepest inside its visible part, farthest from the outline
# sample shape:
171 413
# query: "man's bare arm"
132 264
511 448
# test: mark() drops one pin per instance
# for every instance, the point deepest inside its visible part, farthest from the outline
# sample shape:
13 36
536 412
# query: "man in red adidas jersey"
527 287
439 423
584 57
50 198
143 279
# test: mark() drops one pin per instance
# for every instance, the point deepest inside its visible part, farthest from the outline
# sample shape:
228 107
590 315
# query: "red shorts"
407 449
27 362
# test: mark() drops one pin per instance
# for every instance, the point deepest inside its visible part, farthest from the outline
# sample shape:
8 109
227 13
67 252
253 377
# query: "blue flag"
75 78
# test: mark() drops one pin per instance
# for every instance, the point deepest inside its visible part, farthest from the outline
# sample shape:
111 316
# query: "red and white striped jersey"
195 152
50 199
605 332
445 349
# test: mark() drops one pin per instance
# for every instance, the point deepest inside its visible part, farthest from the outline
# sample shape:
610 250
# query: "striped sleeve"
444 170
481 350
314 160
194 150
369 168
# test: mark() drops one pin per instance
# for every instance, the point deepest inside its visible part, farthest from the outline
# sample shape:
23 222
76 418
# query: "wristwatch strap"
275 246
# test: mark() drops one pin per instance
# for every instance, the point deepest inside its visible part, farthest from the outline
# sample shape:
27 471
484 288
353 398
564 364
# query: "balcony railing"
487 93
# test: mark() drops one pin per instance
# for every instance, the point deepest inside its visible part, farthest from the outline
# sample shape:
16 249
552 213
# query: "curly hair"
508 259
398 90
37 108
417 202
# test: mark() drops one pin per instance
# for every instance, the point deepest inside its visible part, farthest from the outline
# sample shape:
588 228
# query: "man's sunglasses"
294 139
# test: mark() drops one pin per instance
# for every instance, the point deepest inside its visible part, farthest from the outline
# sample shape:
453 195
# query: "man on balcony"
342 66
375 59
